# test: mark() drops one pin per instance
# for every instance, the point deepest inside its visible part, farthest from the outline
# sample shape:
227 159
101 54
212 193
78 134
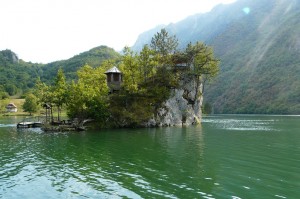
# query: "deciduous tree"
59 91
204 65
31 104
88 97
130 70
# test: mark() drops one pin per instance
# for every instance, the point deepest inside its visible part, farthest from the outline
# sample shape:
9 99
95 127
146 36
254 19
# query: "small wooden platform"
29 124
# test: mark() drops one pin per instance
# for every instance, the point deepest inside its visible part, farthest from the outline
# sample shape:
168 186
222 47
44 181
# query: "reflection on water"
226 157
120 163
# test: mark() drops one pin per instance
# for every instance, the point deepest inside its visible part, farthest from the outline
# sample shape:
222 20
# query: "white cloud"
49 30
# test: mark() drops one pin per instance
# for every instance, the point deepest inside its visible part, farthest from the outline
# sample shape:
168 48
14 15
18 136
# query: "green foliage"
164 44
94 58
87 98
207 108
4 95
42 92
59 91
3 104
84 98
31 104
146 63
16 75
129 68
56 94
11 89
130 110
203 60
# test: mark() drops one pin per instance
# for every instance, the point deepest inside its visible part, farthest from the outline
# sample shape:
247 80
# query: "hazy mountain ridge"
258 44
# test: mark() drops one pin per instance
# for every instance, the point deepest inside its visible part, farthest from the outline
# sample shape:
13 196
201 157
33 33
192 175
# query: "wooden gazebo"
114 79
49 114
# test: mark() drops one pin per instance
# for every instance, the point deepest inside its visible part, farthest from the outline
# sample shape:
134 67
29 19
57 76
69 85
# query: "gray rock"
183 107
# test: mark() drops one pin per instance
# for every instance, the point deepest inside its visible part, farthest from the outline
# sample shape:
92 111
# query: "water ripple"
242 125
210 161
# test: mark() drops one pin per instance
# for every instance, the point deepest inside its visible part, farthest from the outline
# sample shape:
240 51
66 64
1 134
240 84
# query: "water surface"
227 157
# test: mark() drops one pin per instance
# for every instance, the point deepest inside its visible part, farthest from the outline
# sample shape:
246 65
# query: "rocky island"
158 86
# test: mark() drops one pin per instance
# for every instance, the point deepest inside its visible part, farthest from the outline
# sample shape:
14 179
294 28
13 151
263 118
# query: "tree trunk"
58 110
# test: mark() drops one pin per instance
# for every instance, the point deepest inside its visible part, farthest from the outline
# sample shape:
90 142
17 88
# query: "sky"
42 31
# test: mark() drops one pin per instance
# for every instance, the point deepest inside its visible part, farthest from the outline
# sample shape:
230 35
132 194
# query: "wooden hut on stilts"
49 114
114 79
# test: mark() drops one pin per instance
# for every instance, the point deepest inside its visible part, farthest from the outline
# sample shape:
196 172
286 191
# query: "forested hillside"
258 44
17 76
93 57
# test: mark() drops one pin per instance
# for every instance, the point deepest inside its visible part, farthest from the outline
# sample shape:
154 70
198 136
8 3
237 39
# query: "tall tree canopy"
163 43
88 97
59 91
31 104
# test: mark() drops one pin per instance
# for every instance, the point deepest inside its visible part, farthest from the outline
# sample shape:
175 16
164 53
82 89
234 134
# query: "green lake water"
226 157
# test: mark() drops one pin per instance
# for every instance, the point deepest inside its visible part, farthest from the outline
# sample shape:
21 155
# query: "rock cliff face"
183 107
8 56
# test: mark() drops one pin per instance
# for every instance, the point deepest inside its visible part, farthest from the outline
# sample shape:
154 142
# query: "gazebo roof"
113 70
47 106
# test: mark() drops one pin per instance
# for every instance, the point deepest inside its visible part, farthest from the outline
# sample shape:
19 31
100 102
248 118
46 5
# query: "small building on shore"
11 108
114 79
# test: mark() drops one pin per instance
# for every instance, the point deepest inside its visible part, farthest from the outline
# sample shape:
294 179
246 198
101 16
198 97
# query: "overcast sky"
49 30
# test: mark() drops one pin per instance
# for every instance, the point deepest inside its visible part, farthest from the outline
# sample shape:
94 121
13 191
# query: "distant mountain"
93 57
258 43
17 76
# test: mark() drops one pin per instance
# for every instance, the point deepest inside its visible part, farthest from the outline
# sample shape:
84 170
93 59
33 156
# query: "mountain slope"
17 76
93 57
258 44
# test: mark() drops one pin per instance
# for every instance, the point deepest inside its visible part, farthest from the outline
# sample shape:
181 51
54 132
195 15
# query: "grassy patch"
19 103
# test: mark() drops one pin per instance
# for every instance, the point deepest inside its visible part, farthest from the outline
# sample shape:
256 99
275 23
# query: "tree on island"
88 97
56 94
205 65
163 43
59 92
